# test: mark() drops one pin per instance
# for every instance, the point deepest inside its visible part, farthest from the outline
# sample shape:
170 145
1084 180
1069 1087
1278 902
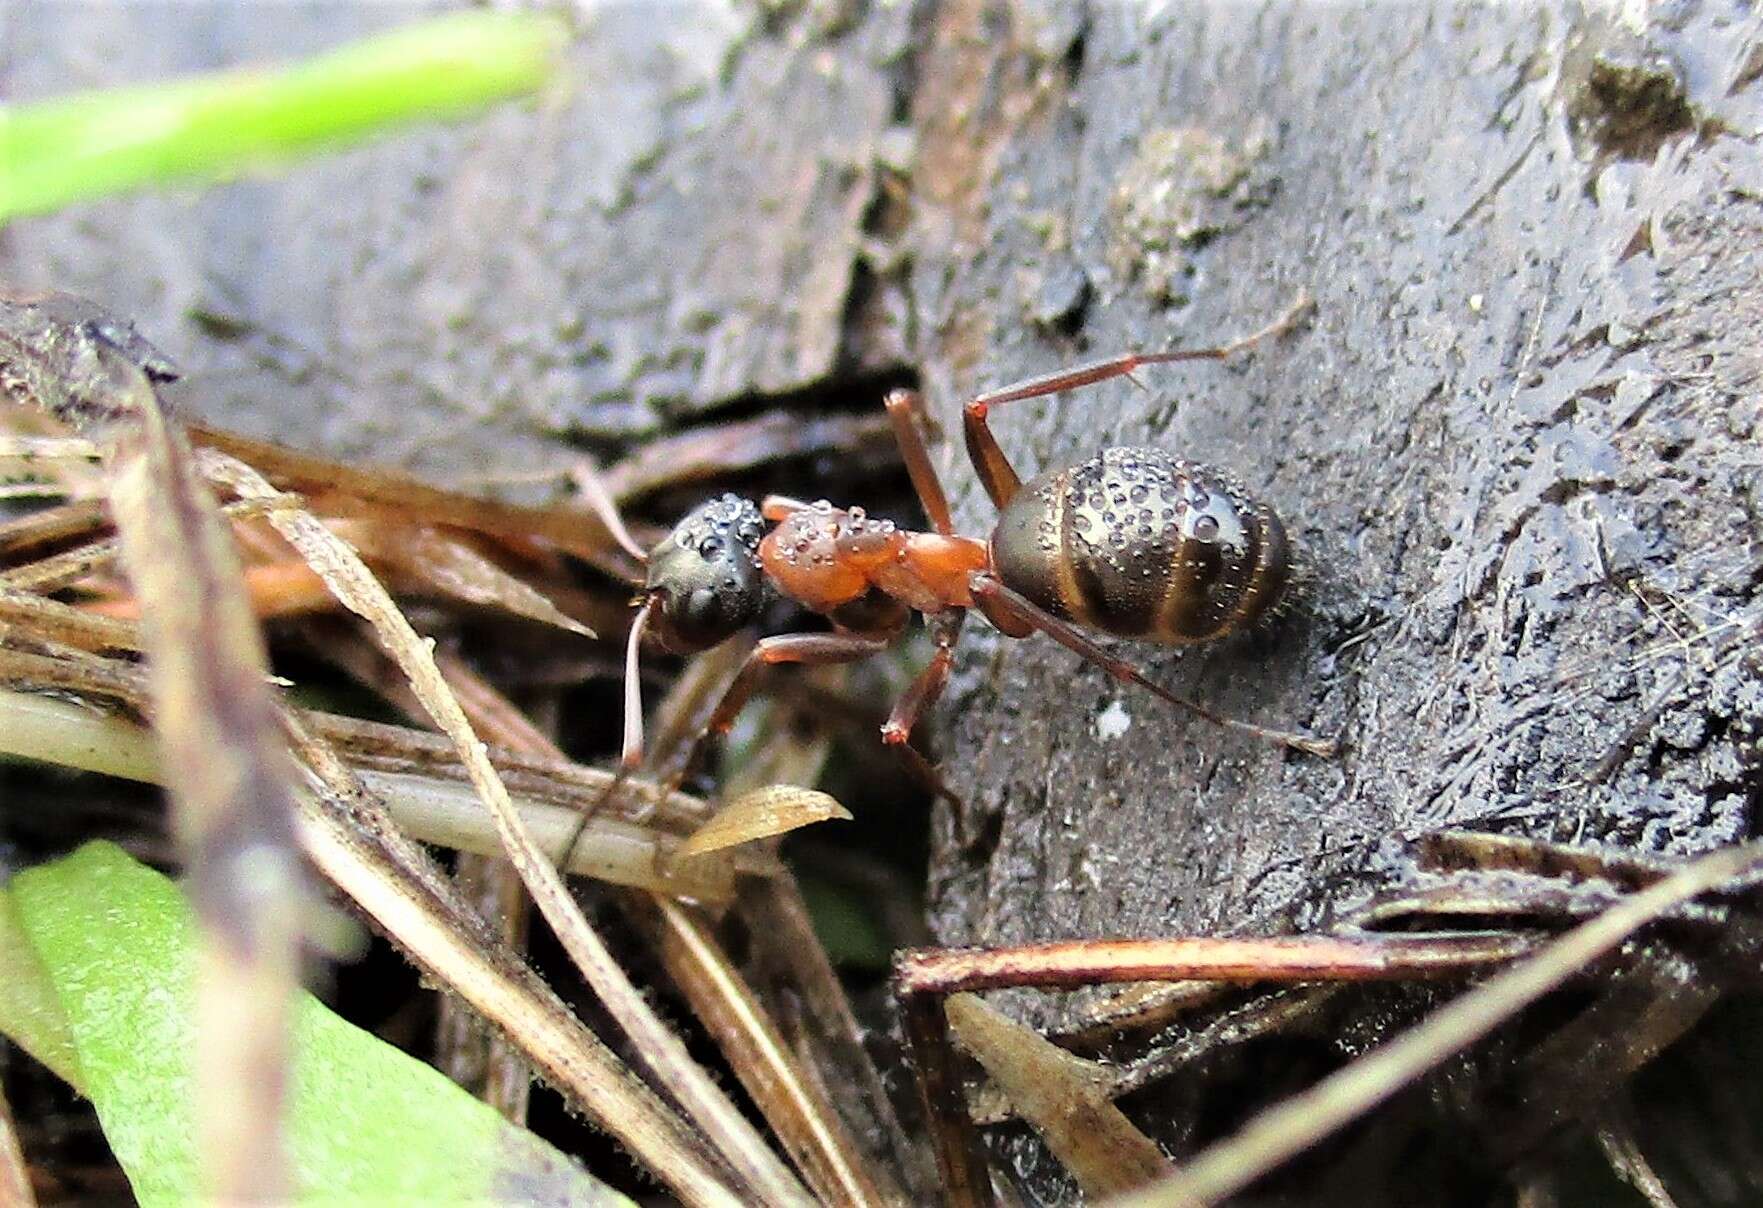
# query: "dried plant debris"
228 773
15 1179
1065 1097
257 781
1505 896
763 813
794 1102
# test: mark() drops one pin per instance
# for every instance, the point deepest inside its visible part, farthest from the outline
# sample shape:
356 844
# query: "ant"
1131 542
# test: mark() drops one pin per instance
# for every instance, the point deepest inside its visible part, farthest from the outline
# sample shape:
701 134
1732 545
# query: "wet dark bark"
1516 447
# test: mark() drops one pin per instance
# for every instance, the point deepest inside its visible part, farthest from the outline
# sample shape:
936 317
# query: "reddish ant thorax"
826 557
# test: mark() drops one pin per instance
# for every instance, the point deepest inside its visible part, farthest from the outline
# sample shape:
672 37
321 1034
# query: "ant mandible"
1131 542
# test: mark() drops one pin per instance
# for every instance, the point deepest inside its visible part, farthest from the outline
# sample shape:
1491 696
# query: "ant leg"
924 978
993 598
816 649
920 696
903 407
994 469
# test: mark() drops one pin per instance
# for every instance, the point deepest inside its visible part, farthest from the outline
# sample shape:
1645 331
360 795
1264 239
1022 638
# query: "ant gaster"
1131 542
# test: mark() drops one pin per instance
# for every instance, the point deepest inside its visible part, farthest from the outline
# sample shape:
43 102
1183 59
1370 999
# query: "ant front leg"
994 469
812 649
823 649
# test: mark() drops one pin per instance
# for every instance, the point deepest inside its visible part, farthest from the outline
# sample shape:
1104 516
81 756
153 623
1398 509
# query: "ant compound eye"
704 578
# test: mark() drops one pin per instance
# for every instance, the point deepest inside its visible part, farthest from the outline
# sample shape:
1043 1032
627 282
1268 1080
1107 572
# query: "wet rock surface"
677 223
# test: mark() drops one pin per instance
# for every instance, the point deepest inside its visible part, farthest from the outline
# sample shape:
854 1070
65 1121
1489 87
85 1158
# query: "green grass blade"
93 144
110 944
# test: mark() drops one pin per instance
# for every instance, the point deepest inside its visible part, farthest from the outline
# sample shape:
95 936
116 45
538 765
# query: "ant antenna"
592 486
631 754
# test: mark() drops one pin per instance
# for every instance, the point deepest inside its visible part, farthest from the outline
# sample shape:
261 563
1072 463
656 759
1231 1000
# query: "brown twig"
808 1127
382 491
1063 1097
492 886
356 846
922 979
793 1104
1283 1131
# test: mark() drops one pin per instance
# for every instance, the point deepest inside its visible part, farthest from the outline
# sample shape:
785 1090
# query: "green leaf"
97 977
92 144
845 919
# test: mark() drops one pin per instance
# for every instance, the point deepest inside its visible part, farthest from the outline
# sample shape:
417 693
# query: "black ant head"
705 584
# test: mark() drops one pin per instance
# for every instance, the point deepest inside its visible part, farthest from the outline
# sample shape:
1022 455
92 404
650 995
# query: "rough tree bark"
1516 446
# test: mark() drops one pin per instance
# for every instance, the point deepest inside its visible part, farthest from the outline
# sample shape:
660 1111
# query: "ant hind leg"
1013 613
